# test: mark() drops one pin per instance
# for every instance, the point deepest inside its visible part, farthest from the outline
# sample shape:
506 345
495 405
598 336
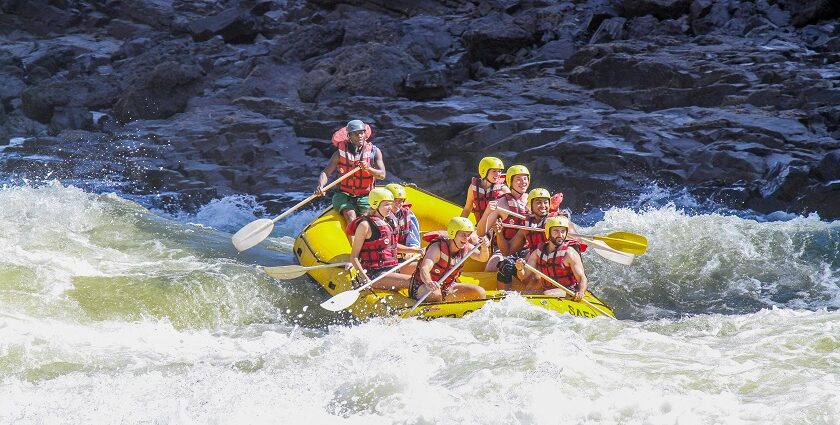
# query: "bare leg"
393 282
493 262
556 292
434 297
349 214
465 292
409 268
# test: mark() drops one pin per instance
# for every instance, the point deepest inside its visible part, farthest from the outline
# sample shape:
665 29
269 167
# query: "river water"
111 313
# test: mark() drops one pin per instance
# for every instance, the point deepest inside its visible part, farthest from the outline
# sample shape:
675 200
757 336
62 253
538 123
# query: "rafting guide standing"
355 150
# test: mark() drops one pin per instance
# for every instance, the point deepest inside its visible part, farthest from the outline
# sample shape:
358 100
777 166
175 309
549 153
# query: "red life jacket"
380 250
535 239
509 202
361 183
551 263
483 196
443 264
403 223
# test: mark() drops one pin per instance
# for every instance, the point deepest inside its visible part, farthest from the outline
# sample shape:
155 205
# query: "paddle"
630 243
293 271
257 230
601 248
568 291
345 299
443 278
509 212
625 241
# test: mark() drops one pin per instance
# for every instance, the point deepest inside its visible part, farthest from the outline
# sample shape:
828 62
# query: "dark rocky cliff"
735 101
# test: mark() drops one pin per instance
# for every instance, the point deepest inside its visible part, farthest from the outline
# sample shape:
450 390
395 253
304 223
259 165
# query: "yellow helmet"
459 224
515 170
377 195
397 190
558 221
489 163
536 194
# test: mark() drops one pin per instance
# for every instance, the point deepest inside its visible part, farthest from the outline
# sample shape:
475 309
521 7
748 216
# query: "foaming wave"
656 196
712 263
508 363
230 213
85 257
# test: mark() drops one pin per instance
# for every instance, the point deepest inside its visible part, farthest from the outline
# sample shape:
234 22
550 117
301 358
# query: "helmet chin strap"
455 241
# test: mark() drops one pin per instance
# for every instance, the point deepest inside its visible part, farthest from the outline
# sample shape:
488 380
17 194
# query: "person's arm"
524 275
468 204
362 232
408 249
484 253
378 168
573 260
324 177
432 256
413 239
516 243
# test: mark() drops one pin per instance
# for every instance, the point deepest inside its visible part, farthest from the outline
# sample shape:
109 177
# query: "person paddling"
558 260
518 179
441 254
408 227
406 224
521 244
375 243
485 188
351 199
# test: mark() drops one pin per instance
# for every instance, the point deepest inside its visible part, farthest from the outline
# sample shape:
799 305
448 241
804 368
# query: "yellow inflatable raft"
323 241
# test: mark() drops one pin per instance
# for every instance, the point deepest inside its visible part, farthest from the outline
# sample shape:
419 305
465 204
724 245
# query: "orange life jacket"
361 183
551 263
403 223
535 239
443 264
483 196
509 202
380 250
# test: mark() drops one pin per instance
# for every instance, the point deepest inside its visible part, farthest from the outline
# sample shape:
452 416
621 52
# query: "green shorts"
342 201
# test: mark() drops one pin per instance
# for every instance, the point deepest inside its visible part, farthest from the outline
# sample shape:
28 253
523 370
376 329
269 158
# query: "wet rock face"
734 101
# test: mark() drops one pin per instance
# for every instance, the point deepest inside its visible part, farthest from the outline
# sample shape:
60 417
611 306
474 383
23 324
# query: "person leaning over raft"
557 259
351 198
539 201
485 188
407 225
518 179
374 243
441 254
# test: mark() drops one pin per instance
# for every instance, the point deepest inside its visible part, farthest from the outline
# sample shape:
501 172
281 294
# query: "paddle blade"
341 301
627 242
285 272
252 234
614 256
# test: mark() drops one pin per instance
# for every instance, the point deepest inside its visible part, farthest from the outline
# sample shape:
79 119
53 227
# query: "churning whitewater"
111 313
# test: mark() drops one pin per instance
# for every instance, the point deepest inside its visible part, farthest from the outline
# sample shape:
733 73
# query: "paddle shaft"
509 212
408 260
315 195
568 291
588 239
295 268
516 226
300 204
446 275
